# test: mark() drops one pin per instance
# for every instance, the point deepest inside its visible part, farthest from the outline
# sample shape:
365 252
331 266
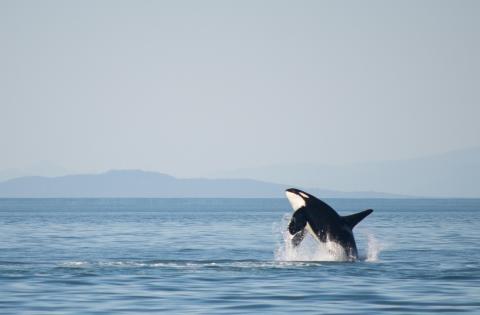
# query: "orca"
320 220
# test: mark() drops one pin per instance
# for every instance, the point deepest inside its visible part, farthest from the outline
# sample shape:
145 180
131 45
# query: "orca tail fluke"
354 219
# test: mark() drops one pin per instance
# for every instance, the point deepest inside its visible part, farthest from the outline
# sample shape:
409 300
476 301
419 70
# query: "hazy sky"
191 87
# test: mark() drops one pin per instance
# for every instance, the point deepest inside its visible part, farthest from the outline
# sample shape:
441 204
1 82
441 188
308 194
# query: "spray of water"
312 250
374 248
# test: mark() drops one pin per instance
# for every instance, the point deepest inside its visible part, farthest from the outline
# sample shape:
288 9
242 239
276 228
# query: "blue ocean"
232 256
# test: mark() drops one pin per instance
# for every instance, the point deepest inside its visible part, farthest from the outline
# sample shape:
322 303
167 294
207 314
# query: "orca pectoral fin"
298 238
354 219
298 221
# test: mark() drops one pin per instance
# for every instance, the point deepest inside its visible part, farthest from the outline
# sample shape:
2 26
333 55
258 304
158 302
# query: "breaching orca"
324 223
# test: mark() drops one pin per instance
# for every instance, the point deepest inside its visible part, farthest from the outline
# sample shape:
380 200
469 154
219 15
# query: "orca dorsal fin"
354 219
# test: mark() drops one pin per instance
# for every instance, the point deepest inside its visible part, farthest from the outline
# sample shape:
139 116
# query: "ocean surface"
229 256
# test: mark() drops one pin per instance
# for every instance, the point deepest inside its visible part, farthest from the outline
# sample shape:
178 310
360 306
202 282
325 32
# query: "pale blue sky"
192 87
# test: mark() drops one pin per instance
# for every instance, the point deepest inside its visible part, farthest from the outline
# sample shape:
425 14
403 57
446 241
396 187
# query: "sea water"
232 256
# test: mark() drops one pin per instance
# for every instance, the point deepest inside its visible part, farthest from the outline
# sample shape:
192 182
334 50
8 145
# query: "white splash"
374 248
312 250
308 250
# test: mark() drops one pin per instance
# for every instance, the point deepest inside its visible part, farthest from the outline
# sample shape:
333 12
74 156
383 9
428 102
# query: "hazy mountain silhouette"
40 168
452 174
135 183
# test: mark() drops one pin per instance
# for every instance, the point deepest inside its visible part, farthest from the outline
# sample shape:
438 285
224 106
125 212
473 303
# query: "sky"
194 87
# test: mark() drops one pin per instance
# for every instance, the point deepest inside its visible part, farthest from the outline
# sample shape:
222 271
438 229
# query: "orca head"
298 198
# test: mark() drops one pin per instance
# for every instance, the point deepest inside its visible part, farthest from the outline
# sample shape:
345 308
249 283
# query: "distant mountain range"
135 183
451 174
40 168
